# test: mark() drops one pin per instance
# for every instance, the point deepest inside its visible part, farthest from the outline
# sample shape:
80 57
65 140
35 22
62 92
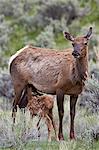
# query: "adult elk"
53 72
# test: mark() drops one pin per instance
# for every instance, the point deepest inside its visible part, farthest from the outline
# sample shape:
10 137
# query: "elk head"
79 43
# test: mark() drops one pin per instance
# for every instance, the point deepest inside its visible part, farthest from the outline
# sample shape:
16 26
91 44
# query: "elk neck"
82 65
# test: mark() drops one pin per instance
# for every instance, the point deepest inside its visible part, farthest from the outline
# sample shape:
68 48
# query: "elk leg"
60 103
14 110
18 93
73 100
50 114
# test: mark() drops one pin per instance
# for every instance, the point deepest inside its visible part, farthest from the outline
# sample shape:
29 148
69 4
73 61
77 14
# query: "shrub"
6 87
90 96
46 38
14 9
5 31
28 22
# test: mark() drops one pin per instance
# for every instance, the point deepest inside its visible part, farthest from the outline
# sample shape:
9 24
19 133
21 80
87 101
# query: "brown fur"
45 67
53 72
42 106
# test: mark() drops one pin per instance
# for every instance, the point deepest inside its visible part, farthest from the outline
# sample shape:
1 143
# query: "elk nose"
75 54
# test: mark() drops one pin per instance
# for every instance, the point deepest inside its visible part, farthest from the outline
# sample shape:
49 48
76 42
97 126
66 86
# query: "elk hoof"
72 136
61 138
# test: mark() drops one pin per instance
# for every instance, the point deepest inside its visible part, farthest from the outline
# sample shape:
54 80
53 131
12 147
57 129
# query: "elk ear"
89 33
68 36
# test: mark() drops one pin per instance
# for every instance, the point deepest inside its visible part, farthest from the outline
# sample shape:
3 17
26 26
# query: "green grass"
63 145
42 145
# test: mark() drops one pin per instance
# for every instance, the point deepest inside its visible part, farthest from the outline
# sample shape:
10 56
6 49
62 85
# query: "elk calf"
42 106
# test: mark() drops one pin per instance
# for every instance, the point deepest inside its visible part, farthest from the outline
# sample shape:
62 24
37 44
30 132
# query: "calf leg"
60 102
50 114
38 128
73 100
49 126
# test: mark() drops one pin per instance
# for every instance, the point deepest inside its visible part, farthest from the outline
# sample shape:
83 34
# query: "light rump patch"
15 55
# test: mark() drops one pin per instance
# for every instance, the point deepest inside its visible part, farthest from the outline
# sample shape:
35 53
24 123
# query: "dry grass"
25 135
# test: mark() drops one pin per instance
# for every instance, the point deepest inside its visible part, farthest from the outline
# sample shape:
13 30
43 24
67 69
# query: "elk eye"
73 44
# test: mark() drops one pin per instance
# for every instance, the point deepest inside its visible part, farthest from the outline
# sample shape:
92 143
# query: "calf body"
42 106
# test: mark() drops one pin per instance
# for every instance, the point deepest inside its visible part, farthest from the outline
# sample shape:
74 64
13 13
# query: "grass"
64 145
25 135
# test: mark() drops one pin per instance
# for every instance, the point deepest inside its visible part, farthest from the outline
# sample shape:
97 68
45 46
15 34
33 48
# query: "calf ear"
68 36
88 36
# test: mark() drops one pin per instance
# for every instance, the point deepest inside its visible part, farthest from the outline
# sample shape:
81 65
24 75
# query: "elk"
53 72
42 107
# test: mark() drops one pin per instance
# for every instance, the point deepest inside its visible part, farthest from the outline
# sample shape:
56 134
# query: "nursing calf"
42 106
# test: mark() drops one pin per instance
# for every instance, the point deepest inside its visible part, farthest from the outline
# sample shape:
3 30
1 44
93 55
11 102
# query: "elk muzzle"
75 54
